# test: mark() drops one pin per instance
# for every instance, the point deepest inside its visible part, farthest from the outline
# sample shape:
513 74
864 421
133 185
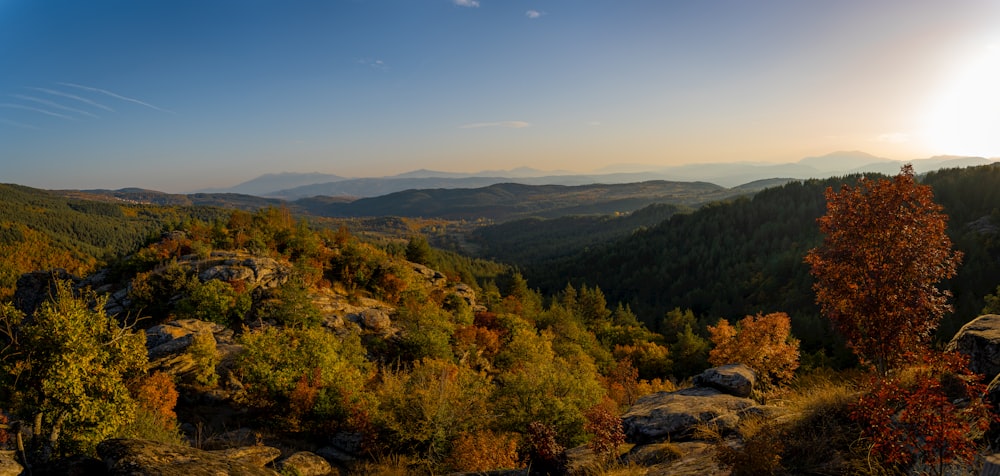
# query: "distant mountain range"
293 186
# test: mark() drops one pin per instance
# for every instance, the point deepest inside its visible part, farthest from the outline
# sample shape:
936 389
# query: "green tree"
418 250
215 301
883 253
67 369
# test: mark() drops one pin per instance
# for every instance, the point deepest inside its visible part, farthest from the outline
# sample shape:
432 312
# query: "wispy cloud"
116 96
73 97
506 124
22 125
466 3
36 109
374 64
53 104
533 14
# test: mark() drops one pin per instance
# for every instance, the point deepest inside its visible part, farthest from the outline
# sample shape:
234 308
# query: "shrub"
928 416
483 451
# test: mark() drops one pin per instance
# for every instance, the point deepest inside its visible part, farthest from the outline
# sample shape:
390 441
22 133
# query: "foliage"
291 305
68 368
992 303
536 385
156 397
418 250
545 454
606 433
428 406
762 343
205 355
883 253
215 301
929 415
274 361
483 451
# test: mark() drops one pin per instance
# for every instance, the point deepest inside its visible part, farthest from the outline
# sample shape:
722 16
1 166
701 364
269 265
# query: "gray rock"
676 415
305 463
375 320
125 457
734 379
980 340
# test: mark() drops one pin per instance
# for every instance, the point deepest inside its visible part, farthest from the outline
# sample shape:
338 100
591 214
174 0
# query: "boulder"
126 457
375 320
9 465
733 379
980 340
304 463
675 415
433 277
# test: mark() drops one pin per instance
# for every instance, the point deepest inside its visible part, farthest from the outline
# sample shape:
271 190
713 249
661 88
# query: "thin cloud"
505 124
36 109
56 105
533 14
374 64
116 96
467 3
17 124
73 97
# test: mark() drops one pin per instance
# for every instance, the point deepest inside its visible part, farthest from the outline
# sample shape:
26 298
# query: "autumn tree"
762 342
884 251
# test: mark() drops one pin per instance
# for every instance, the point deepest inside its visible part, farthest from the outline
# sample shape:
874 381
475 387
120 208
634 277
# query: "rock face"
675 415
733 379
255 271
980 340
141 457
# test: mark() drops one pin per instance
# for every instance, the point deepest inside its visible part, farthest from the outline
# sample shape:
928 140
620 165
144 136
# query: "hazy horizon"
187 95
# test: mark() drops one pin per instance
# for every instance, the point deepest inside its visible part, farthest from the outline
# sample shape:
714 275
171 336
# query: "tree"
876 271
67 369
761 342
418 250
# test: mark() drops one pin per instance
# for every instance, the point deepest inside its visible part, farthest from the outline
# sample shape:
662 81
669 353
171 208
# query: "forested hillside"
745 255
42 230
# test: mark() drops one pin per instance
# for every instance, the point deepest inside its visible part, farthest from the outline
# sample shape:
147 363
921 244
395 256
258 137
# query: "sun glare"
966 118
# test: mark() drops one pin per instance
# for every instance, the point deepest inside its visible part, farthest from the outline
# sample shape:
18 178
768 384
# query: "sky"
181 95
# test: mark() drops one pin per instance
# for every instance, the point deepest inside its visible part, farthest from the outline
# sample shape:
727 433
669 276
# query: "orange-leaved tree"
884 251
762 342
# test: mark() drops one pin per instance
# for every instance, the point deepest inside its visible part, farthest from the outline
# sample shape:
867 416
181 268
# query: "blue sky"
186 94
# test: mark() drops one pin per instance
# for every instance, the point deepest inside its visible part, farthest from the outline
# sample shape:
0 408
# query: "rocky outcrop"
980 340
433 277
733 379
304 463
256 271
676 415
134 457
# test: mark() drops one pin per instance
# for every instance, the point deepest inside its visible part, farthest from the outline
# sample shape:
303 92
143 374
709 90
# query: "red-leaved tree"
884 251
